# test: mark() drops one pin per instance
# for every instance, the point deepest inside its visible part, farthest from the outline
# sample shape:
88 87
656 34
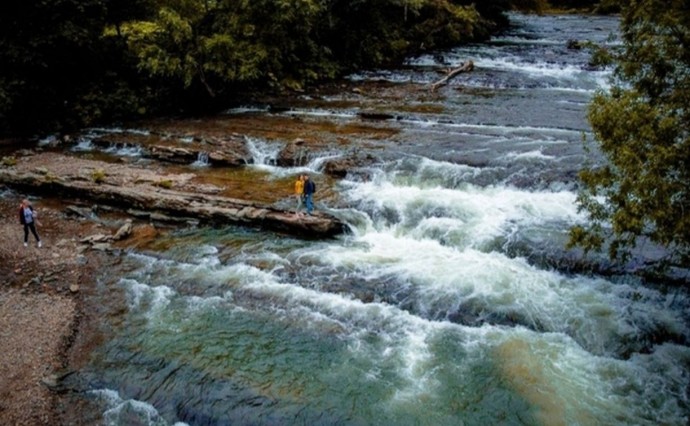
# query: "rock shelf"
136 188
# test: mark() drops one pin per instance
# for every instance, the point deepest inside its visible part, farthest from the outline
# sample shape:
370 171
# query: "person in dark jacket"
309 189
27 217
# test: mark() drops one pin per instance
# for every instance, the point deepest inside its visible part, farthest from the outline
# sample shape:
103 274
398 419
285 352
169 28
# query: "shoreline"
47 328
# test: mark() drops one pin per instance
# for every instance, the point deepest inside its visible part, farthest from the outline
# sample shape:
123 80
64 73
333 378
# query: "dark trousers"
31 226
309 202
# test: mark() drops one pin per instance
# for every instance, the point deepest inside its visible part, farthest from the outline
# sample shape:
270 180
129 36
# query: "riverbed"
450 300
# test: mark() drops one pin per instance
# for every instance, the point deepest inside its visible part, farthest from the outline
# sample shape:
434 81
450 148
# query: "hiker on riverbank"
27 217
309 189
299 194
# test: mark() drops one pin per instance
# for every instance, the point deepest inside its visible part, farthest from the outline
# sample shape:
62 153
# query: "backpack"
21 214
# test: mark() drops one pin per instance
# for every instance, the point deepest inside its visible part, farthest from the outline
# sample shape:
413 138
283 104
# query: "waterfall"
201 160
262 152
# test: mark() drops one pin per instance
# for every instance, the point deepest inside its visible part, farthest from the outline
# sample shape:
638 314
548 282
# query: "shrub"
166 183
98 175
9 161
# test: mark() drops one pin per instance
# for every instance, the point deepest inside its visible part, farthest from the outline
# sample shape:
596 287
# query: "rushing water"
445 304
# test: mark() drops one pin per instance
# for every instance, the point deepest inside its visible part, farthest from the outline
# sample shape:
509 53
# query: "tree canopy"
48 55
69 63
642 126
65 64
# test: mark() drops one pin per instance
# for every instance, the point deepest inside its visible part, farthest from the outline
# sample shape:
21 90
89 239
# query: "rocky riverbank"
42 313
149 191
86 209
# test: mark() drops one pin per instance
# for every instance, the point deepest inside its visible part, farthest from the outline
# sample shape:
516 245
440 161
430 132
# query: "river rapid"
451 300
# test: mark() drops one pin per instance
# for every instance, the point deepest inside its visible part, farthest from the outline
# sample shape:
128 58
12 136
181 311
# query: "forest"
65 64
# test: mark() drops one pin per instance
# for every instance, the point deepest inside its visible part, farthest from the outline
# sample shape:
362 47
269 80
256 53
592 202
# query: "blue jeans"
308 201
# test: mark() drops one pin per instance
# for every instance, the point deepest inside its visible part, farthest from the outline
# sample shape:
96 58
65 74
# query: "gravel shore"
33 329
41 310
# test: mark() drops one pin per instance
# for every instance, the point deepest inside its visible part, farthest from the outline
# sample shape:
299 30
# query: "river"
451 300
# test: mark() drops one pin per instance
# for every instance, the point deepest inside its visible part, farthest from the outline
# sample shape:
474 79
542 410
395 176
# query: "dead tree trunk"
465 67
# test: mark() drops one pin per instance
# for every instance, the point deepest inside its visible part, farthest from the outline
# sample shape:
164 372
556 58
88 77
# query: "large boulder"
341 166
294 154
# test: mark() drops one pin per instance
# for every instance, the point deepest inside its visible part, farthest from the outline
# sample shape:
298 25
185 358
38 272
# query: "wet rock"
293 154
174 154
124 231
574 44
51 382
97 238
340 167
228 153
79 211
159 217
101 246
204 188
218 158
65 381
375 115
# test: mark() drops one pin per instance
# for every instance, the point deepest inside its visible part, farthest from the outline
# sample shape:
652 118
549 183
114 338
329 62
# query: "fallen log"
465 67
204 207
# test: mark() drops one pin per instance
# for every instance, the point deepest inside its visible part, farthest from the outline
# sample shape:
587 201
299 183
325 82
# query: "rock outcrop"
229 153
130 193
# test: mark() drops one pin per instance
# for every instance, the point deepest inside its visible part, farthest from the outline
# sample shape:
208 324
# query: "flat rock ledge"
206 208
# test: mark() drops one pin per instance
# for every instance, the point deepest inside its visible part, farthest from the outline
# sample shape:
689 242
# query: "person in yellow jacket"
299 193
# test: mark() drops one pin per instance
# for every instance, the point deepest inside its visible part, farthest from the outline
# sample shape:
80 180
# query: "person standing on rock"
27 217
309 189
299 193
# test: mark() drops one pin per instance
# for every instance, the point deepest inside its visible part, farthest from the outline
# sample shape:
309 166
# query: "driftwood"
465 67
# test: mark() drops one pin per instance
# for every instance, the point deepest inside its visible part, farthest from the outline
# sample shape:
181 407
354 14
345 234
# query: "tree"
642 125
210 48
48 56
70 63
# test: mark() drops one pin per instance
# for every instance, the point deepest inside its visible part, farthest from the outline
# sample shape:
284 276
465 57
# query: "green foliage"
165 184
51 177
47 59
642 125
70 63
542 6
537 6
212 49
601 55
573 4
608 7
8 161
98 175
